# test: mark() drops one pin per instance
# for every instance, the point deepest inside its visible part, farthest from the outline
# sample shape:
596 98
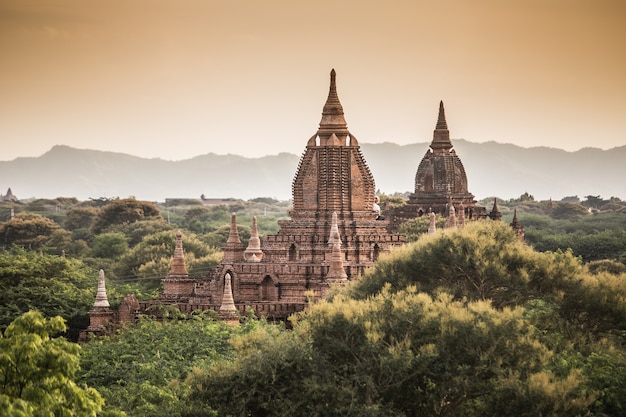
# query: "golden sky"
177 79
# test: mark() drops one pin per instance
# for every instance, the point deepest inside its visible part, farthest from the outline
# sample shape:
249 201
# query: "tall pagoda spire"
102 301
228 310
495 213
441 136
336 271
333 122
253 252
233 250
179 268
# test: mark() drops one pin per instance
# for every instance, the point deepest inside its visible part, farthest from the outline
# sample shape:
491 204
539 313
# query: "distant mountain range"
493 170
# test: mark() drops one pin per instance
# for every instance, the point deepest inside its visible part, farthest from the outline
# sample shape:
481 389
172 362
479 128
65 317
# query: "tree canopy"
37 371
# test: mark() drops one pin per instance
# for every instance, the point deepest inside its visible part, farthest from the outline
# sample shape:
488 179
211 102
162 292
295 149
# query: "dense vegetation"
462 323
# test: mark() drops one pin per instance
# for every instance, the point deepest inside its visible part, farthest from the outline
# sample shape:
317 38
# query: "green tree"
397 354
109 245
484 261
415 228
37 372
125 211
80 218
30 230
564 210
51 284
142 369
151 259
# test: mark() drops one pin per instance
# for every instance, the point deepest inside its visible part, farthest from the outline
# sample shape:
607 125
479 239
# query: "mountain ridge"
493 170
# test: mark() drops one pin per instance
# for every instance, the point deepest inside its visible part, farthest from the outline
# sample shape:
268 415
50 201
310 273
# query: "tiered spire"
253 252
451 217
233 250
441 136
233 234
179 268
495 213
517 226
333 127
228 311
336 271
102 302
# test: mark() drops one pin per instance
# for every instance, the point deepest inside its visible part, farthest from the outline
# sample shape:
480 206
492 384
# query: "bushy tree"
109 245
31 231
413 229
151 259
80 218
485 261
393 354
142 369
565 210
51 284
37 371
125 211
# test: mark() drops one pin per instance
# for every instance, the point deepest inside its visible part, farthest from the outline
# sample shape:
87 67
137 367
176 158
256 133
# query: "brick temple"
334 233
440 181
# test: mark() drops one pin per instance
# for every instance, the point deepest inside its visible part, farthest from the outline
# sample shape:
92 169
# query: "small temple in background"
9 196
440 182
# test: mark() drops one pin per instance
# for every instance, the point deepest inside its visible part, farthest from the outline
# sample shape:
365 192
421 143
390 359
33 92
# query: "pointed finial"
101 296
333 120
233 234
179 268
228 303
441 119
336 271
495 213
334 231
441 136
253 252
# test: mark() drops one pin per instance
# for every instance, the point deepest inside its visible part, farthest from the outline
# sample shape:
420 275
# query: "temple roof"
179 268
332 174
441 136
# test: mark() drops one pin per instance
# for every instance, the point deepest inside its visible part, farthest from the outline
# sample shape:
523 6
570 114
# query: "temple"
440 181
333 235
335 232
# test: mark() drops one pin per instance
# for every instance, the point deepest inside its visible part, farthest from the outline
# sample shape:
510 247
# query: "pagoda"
440 181
334 233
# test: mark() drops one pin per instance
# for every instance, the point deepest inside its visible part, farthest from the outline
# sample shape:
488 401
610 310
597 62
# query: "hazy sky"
177 79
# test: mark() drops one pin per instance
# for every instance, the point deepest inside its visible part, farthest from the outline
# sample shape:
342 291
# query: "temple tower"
100 316
440 181
177 283
333 234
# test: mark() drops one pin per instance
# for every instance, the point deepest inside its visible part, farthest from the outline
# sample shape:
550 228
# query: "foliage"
37 372
398 354
109 245
53 285
150 260
135 232
124 211
29 230
415 228
568 210
218 238
142 368
485 261
80 218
